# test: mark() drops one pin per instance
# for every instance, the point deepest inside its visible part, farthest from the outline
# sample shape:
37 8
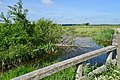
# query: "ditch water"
84 45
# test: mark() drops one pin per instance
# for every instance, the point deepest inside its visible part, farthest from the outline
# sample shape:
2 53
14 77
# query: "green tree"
16 35
47 31
22 40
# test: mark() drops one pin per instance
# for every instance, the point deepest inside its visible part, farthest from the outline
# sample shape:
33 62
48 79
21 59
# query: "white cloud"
47 2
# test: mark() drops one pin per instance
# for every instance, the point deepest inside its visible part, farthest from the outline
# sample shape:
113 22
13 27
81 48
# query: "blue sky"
71 11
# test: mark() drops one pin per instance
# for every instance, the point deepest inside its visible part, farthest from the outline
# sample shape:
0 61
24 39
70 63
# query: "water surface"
84 45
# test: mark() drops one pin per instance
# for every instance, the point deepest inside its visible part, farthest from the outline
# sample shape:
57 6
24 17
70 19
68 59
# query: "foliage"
88 68
47 32
104 37
22 40
16 72
111 73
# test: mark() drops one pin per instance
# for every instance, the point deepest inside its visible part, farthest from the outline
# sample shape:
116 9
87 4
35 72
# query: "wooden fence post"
109 58
112 57
118 56
115 42
79 72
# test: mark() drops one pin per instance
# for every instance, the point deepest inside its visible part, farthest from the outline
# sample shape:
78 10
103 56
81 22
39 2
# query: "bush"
22 40
46 32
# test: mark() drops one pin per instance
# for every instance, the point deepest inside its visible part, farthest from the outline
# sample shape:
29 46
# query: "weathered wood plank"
65 45
41 73
118 56
109 58
79 72
116 43
118 49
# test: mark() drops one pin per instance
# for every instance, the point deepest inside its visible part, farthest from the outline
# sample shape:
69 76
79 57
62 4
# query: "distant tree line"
88 24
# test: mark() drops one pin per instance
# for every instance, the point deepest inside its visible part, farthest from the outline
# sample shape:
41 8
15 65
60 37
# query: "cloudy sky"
70 11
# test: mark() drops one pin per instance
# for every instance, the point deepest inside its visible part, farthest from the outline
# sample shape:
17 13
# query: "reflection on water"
84 44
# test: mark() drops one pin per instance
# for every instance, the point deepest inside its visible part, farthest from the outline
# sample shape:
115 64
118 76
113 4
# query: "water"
84 45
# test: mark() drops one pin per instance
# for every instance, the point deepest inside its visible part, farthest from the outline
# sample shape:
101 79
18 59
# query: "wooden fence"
44 72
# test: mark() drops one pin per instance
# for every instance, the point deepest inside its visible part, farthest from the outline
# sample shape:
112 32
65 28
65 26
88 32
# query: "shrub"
22 40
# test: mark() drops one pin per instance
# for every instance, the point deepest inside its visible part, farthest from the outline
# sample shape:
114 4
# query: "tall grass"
104 37
67 74
16 72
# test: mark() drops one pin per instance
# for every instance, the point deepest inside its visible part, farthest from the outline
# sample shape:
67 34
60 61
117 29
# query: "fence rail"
41 73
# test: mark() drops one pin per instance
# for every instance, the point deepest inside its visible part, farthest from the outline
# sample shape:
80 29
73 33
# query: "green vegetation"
22 40
20 70
16 72
104 37
102 34
112 72
67 74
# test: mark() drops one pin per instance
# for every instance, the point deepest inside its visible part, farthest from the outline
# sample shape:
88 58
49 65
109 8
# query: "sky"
70 11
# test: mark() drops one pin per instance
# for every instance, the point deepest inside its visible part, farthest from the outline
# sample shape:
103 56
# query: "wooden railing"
41 73
78 60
